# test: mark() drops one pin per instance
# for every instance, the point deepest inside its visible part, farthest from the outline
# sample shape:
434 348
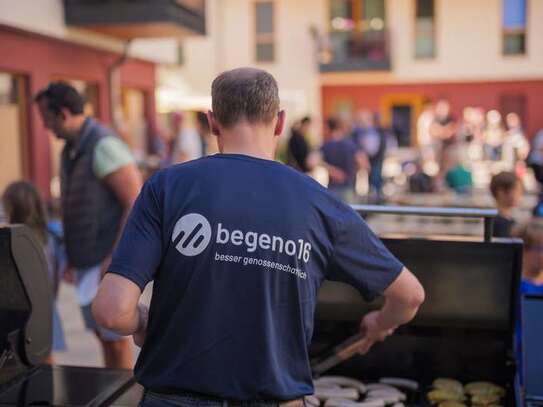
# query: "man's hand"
402 300
336 174
68 275
373 331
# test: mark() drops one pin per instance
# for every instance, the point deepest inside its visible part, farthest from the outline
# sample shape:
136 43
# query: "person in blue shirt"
343 159
237 246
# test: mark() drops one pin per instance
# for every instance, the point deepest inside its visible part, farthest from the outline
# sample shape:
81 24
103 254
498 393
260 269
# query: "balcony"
356 51
128 19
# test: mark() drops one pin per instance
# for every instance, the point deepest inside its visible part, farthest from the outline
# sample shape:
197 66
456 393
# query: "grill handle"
487 215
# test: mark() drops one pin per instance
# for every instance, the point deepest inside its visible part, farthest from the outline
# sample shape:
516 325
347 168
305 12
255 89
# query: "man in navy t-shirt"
237 246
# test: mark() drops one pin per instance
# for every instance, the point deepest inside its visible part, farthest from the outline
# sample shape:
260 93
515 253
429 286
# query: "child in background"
507 190
22 204
532 259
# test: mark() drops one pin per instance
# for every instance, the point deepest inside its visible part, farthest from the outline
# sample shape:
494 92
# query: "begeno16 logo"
191 234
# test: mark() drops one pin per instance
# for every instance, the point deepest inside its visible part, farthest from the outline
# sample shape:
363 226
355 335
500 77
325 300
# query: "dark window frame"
416 18
522 33
265 39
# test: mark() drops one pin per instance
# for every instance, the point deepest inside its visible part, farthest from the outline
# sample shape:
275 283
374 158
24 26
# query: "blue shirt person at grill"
237 246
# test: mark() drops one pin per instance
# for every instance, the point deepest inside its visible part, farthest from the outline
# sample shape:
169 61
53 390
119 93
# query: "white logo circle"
191 234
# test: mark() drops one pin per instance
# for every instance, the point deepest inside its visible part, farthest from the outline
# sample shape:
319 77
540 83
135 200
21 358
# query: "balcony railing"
356 51
129 19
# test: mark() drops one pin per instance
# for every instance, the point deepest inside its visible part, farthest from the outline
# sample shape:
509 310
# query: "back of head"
244 94
504 181
61 95
333 124
23 204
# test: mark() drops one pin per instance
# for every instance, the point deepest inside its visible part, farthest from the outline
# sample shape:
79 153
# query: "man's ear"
213 123
280 125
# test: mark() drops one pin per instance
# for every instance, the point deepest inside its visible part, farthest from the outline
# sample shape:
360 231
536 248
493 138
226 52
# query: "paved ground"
83 347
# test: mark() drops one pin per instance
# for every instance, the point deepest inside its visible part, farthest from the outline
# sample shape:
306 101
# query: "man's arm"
402 301
126 184
115 306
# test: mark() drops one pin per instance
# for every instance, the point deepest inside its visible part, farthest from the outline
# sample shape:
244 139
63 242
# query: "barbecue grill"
25 336
465 328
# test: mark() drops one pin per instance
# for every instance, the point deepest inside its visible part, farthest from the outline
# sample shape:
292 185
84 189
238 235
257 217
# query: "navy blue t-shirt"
237 247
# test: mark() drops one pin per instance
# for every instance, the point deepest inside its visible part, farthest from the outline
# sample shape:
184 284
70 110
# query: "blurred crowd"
444 157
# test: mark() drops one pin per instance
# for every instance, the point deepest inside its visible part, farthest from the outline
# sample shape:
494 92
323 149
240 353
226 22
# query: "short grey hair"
244 94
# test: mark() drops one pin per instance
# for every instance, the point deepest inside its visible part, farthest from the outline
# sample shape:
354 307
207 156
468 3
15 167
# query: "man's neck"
247 139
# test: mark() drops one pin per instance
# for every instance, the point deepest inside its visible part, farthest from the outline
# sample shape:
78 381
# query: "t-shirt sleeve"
139 251
110 154
360 258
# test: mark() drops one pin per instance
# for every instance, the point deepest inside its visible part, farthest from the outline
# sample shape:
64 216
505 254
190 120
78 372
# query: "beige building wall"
230 43
468 45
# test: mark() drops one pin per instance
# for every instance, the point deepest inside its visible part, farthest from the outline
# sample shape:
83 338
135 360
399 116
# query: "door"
401 124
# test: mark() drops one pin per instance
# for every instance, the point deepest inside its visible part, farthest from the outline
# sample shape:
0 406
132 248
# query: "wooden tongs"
340 353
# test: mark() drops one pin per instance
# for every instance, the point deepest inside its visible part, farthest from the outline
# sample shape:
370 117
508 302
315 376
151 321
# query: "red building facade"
36 60
523 97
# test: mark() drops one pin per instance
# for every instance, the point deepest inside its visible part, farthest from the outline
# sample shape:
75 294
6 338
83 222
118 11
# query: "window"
424 29
358 30
514 27
264 22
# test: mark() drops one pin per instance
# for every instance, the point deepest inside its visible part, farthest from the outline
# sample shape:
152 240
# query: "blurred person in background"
189 144
443 132
535 162
532 258
343 159
424 136
23 204
494 136
458 176
371 139
516 146
419 181
424 122
507 190
298 148
99 184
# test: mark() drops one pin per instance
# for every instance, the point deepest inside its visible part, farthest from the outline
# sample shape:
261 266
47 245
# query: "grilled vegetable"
400 382
439 395
484 399
448 384
484 388
341 381
451 404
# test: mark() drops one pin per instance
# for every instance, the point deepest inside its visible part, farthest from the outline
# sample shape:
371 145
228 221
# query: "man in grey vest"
99 183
